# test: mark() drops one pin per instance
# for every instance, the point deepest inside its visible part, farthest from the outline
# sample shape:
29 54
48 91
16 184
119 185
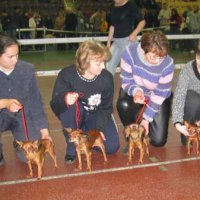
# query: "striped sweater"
155 80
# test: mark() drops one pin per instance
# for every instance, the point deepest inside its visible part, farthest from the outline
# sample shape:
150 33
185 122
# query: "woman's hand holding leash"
71 98
139 97
182 129
13 105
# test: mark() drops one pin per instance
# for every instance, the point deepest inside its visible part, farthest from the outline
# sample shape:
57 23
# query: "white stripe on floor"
100 171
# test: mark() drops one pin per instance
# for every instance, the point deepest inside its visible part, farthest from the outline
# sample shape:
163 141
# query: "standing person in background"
194 24
126 22
184 28
147 72
96 20
87 88
194 20
174 27
186 101
59 25
33 26
71 25
19 95
6 20
164 16
104 26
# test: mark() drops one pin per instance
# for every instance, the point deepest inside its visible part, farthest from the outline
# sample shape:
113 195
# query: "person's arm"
180 96
179 101
139 19
181 128
110 36
137 30
128 82
61 88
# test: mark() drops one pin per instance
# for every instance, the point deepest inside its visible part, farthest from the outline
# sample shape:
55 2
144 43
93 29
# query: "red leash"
78 113
25 124
141 112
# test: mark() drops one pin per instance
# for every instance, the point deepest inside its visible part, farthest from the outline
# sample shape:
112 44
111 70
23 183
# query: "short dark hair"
155 41
6 41
197 47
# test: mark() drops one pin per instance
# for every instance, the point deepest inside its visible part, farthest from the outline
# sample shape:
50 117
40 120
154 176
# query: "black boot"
183 140
2 161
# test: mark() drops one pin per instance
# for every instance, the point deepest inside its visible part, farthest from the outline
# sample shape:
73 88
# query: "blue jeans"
117 48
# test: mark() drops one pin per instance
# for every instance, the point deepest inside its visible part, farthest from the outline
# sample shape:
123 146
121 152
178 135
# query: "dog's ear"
68 130
127 131
20 143
35 142
186 124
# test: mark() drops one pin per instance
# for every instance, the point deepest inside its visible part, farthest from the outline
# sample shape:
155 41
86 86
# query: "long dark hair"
6 41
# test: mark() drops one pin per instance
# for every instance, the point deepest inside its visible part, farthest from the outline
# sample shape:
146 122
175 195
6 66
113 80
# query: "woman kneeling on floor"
146 73
83 96
186 101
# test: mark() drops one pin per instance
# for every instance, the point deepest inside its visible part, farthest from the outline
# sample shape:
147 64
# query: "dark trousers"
88 122
13 122
191 110
158 129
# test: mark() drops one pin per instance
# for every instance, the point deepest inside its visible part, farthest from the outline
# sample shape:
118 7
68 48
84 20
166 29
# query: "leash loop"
141 111
78 113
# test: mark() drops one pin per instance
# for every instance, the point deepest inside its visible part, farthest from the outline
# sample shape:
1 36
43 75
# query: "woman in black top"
83 96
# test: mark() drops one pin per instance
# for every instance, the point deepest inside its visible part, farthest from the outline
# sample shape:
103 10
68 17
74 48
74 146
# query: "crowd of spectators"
79 22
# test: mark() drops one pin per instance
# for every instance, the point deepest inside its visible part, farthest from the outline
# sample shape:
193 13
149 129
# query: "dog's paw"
140 162
77 169
55 167
188 154
105 162
129 163
29 176
89 169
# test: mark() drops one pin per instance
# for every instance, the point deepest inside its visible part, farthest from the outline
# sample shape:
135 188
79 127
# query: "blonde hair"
90 50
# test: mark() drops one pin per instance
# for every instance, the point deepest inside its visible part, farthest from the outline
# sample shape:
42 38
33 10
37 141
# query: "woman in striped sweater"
146 73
